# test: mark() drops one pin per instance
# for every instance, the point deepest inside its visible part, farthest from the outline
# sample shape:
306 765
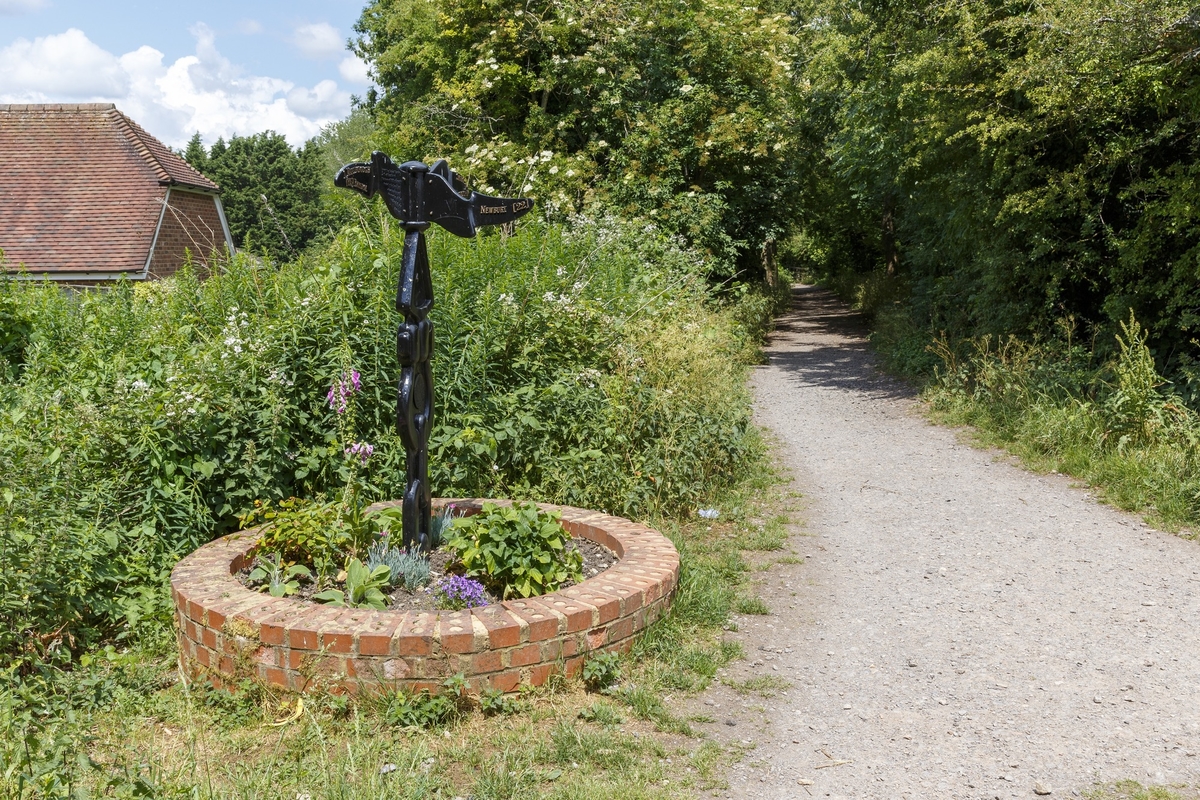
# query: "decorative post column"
417 195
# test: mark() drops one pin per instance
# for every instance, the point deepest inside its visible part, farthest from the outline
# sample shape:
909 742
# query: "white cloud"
203 92
323 100
14 7
67 64
319 40
354 70
248 27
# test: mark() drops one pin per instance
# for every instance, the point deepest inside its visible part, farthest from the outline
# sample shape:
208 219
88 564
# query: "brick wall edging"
228 633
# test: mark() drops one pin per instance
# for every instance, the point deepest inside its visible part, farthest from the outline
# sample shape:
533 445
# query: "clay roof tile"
82 188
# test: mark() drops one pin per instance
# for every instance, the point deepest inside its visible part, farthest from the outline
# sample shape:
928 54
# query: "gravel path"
961 628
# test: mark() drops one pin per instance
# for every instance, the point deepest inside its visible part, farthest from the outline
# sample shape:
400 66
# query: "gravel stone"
1020 597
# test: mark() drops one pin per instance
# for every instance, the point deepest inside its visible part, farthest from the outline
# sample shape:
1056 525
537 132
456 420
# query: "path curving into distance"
961 628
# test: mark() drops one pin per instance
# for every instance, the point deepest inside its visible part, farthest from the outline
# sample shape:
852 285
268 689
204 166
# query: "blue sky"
218 67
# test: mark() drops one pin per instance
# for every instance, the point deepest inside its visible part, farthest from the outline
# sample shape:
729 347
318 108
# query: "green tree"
675 111
1030 162
272 194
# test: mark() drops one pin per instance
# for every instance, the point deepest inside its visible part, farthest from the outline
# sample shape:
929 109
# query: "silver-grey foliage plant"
410 570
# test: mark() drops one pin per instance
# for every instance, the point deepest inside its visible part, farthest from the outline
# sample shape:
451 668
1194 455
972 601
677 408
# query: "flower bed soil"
229 633
596 559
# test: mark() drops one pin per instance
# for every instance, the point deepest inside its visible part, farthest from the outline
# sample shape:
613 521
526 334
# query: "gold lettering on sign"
520 205
357 184
493 209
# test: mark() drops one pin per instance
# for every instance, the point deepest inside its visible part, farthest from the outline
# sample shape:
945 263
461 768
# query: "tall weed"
1114 423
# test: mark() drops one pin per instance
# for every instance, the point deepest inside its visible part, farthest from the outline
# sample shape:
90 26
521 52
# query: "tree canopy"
271 193
1021 166
675 111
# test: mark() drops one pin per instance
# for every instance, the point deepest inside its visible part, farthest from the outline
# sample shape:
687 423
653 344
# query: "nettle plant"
517 550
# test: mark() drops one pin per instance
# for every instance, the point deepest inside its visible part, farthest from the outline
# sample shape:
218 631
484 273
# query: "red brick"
525 655
209 637
486 662
597 638
507 681
539 674
542 622
297 658
275 676
375 637
225 665
415 637
621 629
503 630
337 642
302 639
553 649
204 656
628 591
580 615
573 666
396 669
195 611
607 604
571 645
456 632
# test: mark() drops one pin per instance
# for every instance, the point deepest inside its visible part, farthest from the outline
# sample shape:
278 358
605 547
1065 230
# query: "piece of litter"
833 764
386 768
709 513
804 782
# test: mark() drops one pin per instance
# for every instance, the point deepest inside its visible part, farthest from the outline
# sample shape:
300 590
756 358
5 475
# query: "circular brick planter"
229 633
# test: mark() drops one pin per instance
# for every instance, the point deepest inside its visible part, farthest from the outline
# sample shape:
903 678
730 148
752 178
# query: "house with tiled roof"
88 196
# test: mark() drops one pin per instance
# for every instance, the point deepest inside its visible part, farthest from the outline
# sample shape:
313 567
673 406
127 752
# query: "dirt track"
961 628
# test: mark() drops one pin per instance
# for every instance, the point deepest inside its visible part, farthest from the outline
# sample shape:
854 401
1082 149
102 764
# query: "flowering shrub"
456 592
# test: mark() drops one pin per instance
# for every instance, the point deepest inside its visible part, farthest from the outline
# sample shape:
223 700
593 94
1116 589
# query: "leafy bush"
518 550
307 531
583 365
363 587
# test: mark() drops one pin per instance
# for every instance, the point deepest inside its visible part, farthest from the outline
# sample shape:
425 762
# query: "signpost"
418 194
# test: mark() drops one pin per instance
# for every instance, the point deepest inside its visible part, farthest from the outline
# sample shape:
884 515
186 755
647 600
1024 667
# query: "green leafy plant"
277 579
363 587
493 702
601 672
516 550
309 532
425 709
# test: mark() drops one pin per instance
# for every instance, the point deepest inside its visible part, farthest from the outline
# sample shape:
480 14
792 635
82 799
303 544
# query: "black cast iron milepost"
417 195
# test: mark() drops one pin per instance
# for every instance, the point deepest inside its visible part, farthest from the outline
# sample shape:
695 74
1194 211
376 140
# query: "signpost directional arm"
418 195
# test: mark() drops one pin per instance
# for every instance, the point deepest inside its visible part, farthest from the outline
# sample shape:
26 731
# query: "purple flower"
363 450
341 391
456 592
